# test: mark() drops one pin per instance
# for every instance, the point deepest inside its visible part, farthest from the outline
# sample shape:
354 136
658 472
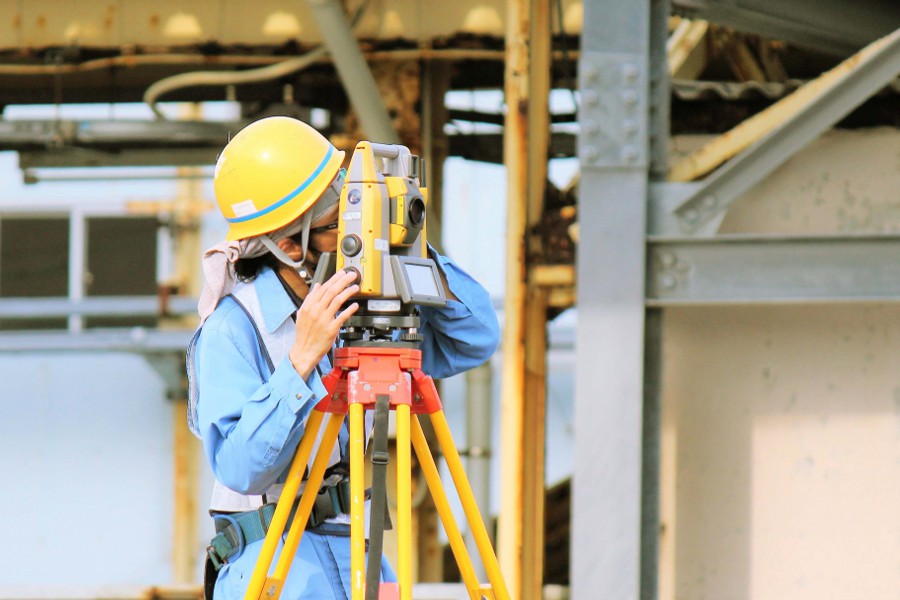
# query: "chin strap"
283 257
331 197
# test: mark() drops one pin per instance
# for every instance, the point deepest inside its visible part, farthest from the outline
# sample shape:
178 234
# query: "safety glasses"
323 228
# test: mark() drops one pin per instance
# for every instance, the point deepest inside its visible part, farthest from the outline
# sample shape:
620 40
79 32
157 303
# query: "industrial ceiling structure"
274 58
771 76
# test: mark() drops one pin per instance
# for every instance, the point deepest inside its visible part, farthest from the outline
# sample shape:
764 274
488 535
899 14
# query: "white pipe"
198 78
348 60
479 410
77 265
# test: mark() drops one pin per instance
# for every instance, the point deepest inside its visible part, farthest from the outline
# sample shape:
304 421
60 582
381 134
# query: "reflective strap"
264 350
239 530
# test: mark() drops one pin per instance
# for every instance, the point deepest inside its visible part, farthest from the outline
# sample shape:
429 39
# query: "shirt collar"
274 303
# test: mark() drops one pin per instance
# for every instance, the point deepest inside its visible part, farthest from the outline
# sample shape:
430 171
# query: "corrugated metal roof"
744 90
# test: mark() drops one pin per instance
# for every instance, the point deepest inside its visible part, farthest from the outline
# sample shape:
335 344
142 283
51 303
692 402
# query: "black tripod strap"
380 458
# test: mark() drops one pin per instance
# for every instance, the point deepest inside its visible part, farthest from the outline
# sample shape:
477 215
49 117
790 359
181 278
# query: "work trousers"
320 570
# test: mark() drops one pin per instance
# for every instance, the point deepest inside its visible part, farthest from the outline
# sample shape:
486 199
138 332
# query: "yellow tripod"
361 376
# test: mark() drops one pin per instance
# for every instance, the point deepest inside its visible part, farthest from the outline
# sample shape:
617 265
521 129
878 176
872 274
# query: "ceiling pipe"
220 78
353 71
347 57
234 60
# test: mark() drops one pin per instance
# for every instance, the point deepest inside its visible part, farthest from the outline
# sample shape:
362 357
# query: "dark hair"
247 269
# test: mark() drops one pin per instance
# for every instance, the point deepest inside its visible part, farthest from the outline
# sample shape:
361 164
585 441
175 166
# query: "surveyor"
255 366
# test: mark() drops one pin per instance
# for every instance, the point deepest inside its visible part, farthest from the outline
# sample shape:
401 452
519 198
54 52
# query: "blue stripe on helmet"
290 196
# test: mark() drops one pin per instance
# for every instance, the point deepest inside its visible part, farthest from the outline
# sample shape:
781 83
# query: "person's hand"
319 320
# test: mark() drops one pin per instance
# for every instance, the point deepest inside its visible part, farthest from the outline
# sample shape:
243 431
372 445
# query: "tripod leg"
283 510
380 459
433 477
404 503
357 499
304 508
473 515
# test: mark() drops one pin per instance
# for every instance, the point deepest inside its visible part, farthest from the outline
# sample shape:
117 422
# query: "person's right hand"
319 320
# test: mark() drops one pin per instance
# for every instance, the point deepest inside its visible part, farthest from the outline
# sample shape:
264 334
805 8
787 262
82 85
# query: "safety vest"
277 344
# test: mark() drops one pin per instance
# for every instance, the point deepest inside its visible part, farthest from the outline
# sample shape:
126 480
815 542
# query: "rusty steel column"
520 540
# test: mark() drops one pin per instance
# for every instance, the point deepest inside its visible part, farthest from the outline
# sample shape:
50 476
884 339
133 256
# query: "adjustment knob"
356 272
351 245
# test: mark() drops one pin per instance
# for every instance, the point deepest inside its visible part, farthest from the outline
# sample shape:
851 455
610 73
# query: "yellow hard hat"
272 172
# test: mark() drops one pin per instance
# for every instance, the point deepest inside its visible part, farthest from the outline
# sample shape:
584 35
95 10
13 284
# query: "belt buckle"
235 527
214 558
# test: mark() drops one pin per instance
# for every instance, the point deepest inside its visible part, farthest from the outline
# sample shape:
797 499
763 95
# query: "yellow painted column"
526 137
186 473
509 525
185 213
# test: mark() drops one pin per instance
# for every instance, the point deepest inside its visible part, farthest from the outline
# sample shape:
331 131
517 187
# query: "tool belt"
235 531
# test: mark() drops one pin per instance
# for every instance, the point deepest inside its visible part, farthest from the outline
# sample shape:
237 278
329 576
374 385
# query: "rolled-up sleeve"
465 333
250 423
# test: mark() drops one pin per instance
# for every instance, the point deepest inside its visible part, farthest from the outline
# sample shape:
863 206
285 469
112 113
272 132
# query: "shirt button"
299 396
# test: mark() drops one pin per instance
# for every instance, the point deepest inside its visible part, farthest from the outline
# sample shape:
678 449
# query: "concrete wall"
781 424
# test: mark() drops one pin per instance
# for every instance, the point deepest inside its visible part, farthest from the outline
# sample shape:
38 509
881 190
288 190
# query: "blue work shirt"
251 421
251 425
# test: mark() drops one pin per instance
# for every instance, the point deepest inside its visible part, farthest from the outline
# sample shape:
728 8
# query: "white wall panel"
781 424
86 458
